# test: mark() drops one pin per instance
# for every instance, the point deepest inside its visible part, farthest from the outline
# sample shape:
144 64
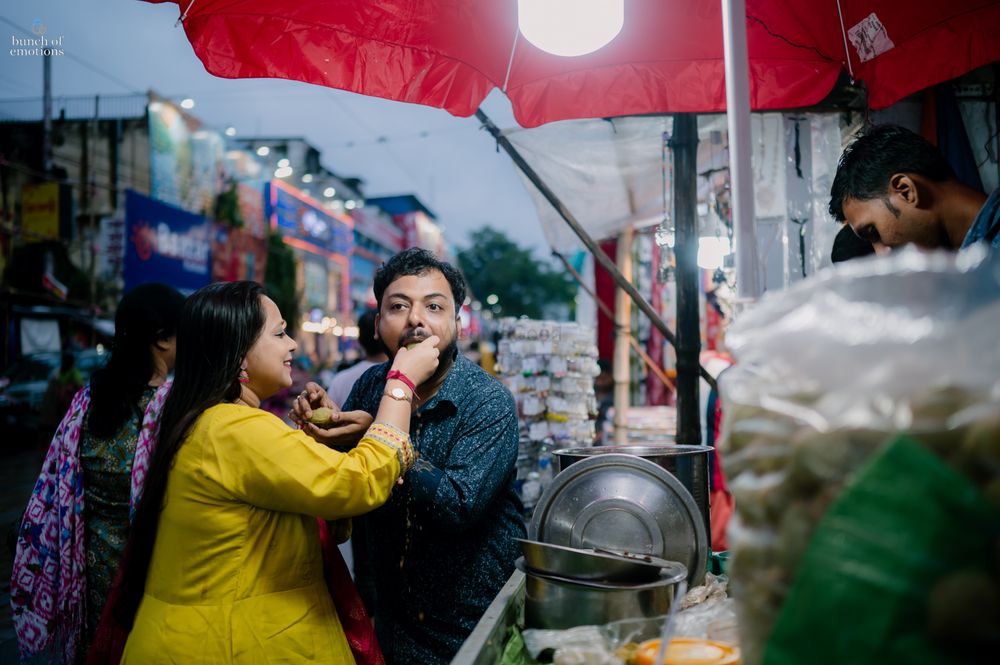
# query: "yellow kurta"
236 574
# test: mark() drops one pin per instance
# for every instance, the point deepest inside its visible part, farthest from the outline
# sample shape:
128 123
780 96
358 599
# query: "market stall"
450 55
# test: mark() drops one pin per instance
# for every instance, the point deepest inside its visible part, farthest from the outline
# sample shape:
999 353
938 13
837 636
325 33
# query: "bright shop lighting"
352 331
350 205
187 103
282 163
308 177
570 27
329 192
263 151
338 331
492 299
712 252
283 172
230 131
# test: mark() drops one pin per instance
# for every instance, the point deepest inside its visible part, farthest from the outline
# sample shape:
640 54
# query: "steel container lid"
626 504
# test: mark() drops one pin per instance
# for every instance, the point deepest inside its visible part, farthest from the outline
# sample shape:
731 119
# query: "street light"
307 178
187 103
263 151
230 131
492 299
329 192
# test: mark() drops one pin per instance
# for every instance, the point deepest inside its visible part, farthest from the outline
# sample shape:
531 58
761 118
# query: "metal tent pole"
584 237
684 144
734 39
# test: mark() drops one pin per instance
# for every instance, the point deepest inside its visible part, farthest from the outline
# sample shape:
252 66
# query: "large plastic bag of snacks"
827 374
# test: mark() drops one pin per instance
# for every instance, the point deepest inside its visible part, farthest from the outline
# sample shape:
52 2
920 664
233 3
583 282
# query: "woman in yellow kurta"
224 565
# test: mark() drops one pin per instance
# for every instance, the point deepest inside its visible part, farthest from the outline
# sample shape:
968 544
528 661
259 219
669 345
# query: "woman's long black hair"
218 326
147 314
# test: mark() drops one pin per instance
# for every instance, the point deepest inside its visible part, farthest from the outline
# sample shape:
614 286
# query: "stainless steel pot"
557 603
689 464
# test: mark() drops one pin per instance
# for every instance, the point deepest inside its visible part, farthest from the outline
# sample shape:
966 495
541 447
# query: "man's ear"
906 188
162 345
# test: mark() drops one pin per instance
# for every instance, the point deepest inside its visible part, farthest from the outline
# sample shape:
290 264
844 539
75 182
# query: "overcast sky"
133 46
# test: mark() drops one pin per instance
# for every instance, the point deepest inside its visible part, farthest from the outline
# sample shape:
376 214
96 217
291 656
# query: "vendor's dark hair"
416 261
146 314
868 163
847 245
218 326
366 333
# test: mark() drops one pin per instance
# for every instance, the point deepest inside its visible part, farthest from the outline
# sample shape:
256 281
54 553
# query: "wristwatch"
398 394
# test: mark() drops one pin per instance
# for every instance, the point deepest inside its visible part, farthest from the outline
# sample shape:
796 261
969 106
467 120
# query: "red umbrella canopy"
667 58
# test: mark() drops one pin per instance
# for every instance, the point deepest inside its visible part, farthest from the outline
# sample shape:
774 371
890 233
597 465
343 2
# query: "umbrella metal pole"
588 242
734 39
684 144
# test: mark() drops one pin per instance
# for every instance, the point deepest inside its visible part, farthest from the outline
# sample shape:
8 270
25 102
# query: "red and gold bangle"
394 438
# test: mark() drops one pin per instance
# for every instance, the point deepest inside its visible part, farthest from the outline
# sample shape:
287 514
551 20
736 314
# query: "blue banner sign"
165 244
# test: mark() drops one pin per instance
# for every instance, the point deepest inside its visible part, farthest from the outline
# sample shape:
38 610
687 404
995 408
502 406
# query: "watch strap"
405 398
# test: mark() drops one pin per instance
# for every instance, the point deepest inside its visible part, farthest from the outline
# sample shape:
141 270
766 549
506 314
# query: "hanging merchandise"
550 368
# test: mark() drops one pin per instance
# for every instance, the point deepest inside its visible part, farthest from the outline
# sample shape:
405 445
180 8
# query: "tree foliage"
494 264
279 280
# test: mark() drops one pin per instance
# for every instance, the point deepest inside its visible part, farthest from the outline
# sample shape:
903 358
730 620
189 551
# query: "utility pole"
47 114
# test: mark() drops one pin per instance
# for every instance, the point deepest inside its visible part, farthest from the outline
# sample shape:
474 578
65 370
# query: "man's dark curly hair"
416 261
869 162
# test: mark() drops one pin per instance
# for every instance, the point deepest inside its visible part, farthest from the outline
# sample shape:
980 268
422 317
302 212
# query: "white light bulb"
263 151
187 103
570 27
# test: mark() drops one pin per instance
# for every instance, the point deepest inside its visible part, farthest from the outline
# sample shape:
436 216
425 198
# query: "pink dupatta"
48 581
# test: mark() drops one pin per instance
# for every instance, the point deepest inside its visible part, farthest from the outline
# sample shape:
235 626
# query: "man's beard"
445 359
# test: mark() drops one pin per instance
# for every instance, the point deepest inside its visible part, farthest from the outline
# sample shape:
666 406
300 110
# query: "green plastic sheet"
860 594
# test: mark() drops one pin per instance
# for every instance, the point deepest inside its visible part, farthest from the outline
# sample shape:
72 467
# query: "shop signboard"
165 244
44 210
187 164
237 254
250 197
298 216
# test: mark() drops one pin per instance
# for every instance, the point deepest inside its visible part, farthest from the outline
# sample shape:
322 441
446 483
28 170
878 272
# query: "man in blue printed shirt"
893 188
443 546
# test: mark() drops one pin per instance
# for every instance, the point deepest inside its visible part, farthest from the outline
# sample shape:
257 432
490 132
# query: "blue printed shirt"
443 546
986 226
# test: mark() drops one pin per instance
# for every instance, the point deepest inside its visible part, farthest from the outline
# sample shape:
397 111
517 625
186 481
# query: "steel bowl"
558 603
589 564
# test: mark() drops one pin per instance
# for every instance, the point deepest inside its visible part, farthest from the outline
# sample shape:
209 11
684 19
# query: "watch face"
398 393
